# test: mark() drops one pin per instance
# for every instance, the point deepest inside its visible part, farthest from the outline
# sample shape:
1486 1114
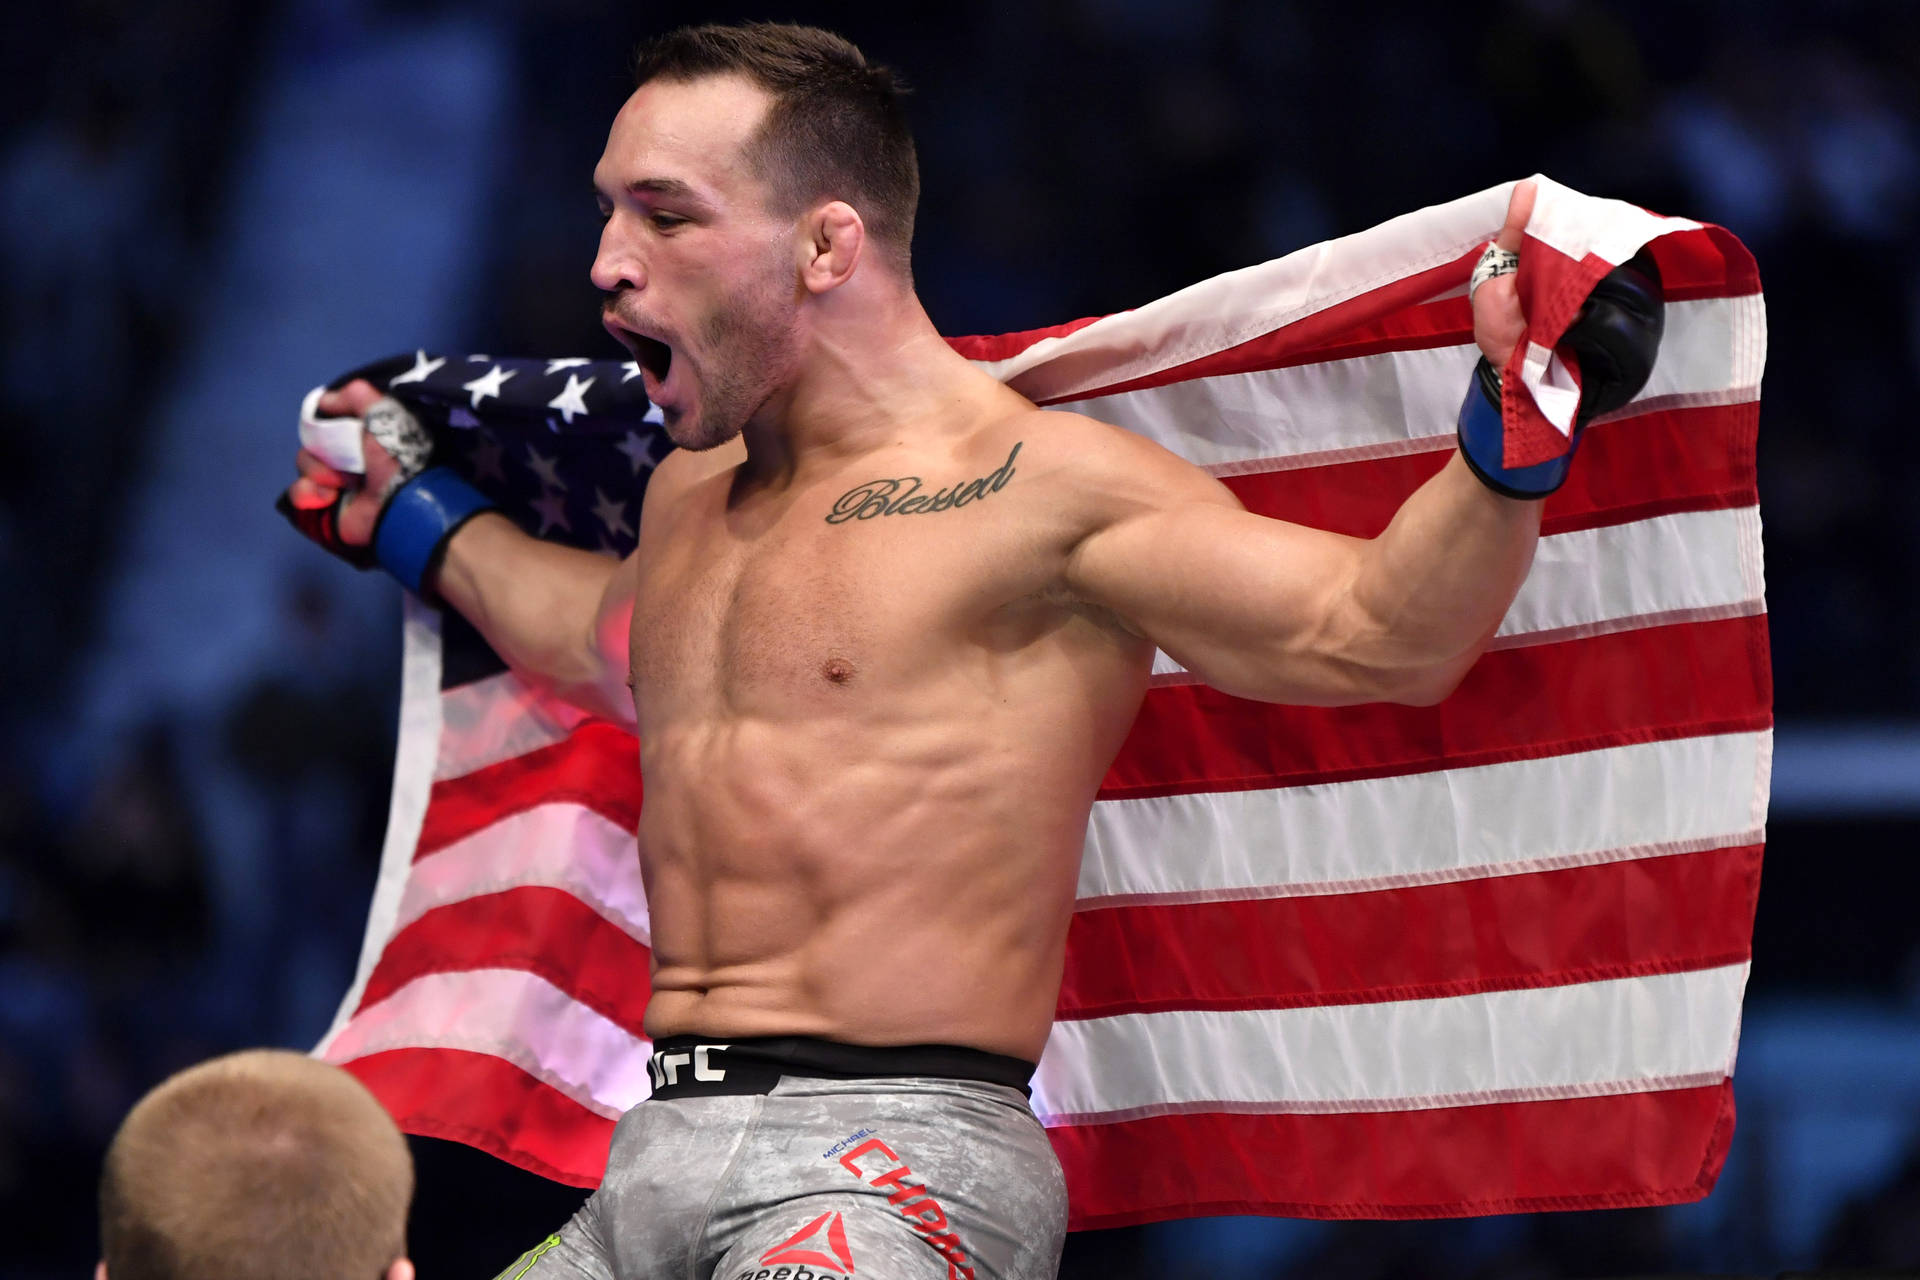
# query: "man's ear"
402 1269
100 1270
833 239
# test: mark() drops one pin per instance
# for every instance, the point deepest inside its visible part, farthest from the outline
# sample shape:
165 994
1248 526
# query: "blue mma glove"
1613 341
419 520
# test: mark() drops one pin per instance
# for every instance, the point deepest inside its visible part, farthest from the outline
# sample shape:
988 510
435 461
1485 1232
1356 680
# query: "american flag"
1374 961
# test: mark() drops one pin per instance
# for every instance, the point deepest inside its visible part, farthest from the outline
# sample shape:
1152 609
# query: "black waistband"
705 1066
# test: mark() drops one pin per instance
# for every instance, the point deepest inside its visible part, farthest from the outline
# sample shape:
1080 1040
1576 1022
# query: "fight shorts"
797 1159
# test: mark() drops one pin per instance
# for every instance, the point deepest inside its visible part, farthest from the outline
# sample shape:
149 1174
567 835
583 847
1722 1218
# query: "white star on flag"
638 449
421 368
566 362
553 511
610 513
573 399
633 370
543 467
487 384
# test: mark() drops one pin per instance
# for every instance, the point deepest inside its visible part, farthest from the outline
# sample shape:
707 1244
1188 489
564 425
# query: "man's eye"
666 221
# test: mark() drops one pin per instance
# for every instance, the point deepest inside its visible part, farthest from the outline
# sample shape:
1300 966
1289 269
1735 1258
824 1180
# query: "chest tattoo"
902 496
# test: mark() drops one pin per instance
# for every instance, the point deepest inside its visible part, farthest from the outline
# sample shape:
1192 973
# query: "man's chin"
692 432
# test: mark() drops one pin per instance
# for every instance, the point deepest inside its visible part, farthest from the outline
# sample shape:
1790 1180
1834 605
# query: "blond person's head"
259 1164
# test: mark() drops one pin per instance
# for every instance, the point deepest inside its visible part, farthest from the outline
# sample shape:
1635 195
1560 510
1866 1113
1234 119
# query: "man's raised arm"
557 615
1278 612
1269 610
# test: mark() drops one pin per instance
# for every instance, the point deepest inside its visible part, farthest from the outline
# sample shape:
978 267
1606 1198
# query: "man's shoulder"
1063 426
1100 459
1053 438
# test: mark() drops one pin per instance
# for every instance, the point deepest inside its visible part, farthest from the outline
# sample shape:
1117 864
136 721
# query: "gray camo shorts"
799 1159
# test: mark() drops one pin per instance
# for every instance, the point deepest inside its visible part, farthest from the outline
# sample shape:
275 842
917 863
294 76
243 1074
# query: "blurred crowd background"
207 207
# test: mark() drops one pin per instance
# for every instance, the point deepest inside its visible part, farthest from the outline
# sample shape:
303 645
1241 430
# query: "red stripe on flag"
489 1103
1518 1157
1645 685
1501 933
543 931
1002 346
1708 263
1634 468
596 766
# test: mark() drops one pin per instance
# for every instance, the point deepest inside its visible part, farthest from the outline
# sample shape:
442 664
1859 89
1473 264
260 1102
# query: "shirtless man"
872 735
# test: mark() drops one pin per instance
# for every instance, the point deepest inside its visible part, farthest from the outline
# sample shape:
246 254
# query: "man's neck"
875 372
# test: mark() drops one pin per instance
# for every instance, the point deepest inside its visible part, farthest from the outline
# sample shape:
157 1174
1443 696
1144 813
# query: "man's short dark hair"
263 1163
834 131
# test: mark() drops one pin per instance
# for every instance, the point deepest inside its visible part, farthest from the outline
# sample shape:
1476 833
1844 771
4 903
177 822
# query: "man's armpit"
1061 596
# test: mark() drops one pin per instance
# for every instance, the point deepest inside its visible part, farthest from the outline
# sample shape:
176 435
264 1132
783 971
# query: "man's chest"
783 603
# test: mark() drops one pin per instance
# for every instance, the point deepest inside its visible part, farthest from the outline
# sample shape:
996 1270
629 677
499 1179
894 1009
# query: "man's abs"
868 884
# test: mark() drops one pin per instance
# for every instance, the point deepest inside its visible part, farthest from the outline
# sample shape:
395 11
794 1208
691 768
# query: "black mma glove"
1613 341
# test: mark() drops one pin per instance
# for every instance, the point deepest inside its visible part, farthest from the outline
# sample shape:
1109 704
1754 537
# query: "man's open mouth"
654 356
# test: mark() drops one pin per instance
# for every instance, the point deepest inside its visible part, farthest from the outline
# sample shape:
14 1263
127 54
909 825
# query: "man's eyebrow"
662 187
655 188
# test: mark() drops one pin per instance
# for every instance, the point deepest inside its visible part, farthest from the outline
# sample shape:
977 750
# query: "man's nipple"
837 670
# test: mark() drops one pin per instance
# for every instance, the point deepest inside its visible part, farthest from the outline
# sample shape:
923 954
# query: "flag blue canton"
565 446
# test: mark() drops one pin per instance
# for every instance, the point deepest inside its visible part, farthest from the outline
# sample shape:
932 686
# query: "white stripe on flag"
412 791
557 845
1688 562
1300 413
1587 807
1715 355
1577 224
497 719
513 1015
1620 1036
1391 402
1689 565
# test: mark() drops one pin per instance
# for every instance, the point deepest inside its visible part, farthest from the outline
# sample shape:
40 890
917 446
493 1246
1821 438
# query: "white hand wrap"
400 434
1494 262
337 441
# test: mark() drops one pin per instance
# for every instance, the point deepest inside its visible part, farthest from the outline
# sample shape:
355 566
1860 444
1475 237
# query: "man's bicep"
1252 606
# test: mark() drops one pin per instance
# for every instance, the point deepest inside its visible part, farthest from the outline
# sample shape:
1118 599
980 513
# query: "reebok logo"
805 1248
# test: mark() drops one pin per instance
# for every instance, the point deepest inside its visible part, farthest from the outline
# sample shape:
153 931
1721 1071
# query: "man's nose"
616 264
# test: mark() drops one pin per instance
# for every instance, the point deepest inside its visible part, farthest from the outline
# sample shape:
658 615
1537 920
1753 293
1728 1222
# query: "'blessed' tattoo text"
902 497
